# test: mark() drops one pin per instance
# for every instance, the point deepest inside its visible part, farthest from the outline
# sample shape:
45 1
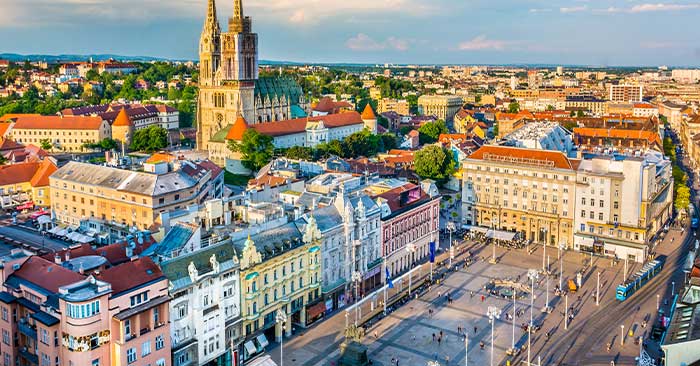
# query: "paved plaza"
407 333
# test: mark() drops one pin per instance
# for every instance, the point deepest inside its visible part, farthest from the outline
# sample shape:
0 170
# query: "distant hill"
14 57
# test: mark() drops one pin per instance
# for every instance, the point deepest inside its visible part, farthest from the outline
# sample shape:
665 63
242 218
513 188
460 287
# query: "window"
156 316
44 336
83 310
96 362
600 216
616 205
182 311
146 349
160 362
131 355
602 203
160 343
583 227
4 313
127 328
139 298
6 337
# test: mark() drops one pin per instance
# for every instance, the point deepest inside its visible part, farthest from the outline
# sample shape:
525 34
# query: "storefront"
315 312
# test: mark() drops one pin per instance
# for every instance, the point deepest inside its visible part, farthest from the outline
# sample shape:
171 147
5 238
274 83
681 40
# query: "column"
302 317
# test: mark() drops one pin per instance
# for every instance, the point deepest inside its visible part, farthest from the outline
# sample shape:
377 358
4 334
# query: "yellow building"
280 273
443 106
23 182
465 123
103 194
526 191
123 128
399 106
67 133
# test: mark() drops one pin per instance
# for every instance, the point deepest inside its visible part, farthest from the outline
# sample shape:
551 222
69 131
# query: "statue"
192 269
214 263
352 352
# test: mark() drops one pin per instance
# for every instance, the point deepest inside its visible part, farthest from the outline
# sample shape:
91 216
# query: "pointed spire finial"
237 9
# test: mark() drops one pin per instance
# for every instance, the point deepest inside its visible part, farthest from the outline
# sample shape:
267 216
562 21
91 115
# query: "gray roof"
175 239
327 218
176 269
124 180
272 242
370 205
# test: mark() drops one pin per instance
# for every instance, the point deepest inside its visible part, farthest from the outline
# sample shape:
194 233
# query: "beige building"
64 133
399 106
526 191
443 106
101 194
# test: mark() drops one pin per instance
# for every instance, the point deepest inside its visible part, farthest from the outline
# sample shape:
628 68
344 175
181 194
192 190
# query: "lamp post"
356 278
622 335
512 341
673 289
281 318
411 248
546 308
493 314
466 349
561 265
450 228
544 251
657 302
566 311
597 291
533 275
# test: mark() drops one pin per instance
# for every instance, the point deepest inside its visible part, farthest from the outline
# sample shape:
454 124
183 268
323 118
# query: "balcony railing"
27 330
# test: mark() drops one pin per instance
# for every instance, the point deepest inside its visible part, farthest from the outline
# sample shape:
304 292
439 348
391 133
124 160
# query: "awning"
43 219
500 234
315 310
262 361
250 348
54 230
262 340
61 232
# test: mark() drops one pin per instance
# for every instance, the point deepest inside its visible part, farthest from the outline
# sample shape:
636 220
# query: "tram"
639 279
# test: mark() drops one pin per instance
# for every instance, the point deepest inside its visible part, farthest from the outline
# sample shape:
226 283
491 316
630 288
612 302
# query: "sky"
568 32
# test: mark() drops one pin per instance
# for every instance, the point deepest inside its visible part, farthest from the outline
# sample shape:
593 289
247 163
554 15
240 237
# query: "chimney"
67 255
57 258
129 252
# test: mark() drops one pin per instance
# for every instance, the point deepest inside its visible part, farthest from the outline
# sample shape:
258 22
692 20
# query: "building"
686 76
509 122
622 202
142 116
673 113
105 195
625 93
681 343
524 191
399 106
123 128
542 135
26 182
68 134
616 139
443 106
645 110
586 103
410 220
229 84
84 310
205 307
279 273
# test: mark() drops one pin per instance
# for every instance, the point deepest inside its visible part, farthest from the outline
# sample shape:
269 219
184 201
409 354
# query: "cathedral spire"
211 22
236 24
237 9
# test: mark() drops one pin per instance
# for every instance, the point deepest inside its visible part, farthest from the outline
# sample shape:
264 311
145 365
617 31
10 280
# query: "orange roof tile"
649 136
18 173
129 275
122 119
46 274
12 116
368 113
41 177
291 126
161 157
237 130
58 123
556 158
3 129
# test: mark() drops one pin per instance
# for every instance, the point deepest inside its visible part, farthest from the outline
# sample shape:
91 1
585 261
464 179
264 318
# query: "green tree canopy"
150 139
434 162
513 107
45 144
255 148
430 132
682 199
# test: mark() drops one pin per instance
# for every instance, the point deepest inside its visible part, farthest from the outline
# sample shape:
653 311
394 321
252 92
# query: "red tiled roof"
58 123
556 157
3 128
46 274
12 116
132 274
271 181
447 137
291 126
649 136
161 157
114 253
122 119
18 173
209 165
368 113
237 130
393 196
41 177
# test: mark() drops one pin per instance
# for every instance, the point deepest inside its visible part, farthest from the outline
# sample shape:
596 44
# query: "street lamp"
512 342
622 334
411 249
561 265
597 291
544 251
493 314
657 302
356 278
466 349
673 289
533 275
546 308
566 311
450 228
281 318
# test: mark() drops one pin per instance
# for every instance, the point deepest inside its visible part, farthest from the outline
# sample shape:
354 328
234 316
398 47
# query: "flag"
388 278
432 252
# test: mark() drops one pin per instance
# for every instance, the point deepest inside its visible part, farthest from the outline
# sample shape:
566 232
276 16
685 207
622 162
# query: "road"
32 238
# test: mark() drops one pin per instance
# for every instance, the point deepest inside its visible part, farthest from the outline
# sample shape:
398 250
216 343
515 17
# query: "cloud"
641 8
573 9
481 43
540 10
364 43
298 17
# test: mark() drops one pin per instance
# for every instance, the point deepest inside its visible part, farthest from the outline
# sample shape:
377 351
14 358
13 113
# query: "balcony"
24 328
32 358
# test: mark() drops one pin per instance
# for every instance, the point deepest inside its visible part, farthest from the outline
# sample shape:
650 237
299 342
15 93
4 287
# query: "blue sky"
585 32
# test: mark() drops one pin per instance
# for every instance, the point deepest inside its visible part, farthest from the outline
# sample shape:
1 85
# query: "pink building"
90 309
410 220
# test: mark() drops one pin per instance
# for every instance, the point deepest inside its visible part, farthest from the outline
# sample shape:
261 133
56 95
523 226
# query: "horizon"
616 33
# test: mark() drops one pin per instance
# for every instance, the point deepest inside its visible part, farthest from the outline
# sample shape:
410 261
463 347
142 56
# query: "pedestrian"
397 361
393 361
439 340
482 298
433 337
413 338
475 329
440 334
376 336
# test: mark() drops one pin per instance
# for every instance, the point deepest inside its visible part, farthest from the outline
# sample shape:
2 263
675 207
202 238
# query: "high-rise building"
443 106
625 93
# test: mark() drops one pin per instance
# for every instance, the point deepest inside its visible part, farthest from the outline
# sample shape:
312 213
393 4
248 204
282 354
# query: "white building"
542 135
621 204
625 93
686 76
205 307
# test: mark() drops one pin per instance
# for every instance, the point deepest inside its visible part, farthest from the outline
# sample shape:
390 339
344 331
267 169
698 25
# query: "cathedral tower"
228 70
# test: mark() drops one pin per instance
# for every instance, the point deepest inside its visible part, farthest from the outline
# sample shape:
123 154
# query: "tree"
580 114
299 153
45 144
682 198
361 143
513 107
150 139
255 148
389 141
550 107
430 132
434 162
